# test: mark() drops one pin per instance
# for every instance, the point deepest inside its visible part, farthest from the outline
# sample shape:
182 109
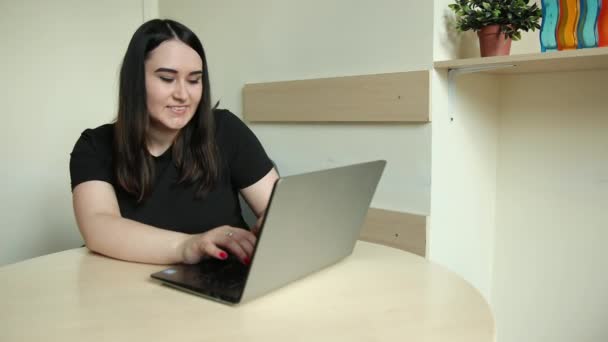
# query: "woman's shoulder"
224 117
227 124
99 139
104 132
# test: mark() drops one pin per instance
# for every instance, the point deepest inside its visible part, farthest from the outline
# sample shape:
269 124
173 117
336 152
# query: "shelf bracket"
452 73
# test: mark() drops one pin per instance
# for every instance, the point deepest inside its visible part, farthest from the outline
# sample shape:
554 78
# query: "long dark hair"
194 149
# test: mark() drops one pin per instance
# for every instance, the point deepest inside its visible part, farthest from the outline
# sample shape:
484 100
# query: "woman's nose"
179 92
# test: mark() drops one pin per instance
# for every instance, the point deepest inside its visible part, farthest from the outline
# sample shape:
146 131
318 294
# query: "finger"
246 239
234 247
247 246
245 234
239 234
214 251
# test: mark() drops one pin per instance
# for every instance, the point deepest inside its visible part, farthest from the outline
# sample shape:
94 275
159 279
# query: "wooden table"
376 294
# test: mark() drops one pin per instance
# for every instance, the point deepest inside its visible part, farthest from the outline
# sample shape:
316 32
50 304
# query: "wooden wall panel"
394 97
396 229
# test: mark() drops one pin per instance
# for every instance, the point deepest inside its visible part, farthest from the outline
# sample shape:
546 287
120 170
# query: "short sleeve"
247 159
91 158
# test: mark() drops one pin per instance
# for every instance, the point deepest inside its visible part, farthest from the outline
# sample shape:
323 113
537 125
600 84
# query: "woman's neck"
159 140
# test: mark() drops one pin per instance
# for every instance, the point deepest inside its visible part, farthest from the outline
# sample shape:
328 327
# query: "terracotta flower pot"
492 42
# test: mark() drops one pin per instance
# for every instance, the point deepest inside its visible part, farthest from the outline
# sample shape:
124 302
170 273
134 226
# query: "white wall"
550 272
462 222
273 40
446 40
60 65
464 142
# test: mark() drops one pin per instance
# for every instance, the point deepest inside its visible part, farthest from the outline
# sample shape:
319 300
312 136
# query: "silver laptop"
313 220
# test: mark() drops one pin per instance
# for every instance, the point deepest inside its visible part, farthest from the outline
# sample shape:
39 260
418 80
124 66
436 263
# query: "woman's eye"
194 81
166 79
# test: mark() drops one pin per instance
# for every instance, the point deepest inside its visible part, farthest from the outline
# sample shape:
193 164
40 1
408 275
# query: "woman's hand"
217 243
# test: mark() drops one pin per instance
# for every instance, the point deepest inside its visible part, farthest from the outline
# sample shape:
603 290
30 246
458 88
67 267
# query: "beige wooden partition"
393 97
396 229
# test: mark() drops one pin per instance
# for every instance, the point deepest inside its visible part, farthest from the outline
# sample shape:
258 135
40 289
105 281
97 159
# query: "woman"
161 184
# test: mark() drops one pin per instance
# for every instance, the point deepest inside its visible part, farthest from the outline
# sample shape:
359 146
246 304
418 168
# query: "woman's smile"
178 109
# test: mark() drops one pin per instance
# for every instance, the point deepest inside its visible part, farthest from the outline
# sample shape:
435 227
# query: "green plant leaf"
512 15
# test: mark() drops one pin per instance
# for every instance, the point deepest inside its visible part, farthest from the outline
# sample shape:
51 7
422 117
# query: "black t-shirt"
171 205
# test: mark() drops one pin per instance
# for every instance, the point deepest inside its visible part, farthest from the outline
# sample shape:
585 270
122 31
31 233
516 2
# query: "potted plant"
496 22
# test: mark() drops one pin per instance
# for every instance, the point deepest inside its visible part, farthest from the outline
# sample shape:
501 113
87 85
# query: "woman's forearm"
129 240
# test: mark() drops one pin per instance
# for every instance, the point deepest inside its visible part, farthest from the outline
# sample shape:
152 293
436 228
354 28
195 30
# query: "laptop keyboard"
220 274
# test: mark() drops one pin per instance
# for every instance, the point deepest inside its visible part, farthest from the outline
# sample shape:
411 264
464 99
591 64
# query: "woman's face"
173 85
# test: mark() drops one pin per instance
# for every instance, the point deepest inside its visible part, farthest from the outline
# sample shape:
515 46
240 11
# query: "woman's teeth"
178 109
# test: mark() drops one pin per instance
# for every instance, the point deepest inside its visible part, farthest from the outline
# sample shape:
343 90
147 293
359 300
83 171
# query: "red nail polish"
246 261
223 255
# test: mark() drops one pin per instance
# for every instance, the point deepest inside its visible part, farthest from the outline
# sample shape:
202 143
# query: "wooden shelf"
572 60
392 97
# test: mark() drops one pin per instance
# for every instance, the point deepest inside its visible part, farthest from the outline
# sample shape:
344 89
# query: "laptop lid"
313 220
